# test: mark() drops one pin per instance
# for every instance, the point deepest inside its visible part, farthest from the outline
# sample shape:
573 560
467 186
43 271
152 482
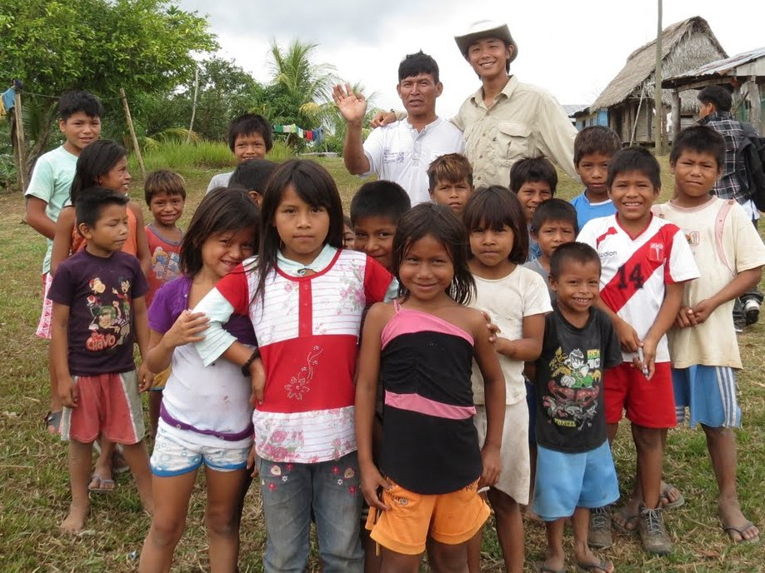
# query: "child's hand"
685 318
145 378
493 328
491 466
67 391
702 311
258 382
627 336
649 357
371 482
187 328
504 346
252 462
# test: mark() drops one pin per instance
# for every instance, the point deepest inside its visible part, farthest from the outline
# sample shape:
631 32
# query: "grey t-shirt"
219 180
536 266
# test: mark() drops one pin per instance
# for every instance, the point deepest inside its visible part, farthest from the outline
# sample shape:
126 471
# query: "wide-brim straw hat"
485 29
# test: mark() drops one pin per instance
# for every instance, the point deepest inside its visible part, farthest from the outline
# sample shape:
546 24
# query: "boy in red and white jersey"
645 261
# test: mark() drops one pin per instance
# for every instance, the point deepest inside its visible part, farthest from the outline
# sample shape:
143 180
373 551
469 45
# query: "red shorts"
107 405
649 403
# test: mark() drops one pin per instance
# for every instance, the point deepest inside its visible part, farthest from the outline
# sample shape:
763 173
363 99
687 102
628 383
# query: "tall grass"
180 156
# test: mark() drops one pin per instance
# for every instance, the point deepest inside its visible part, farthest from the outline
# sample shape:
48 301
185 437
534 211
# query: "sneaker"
599 535
652 533
751 312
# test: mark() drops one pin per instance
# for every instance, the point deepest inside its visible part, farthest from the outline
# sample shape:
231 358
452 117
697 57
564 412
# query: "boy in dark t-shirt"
575 470
99 311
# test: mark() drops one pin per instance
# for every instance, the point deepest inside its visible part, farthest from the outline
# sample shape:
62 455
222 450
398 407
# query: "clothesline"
307 134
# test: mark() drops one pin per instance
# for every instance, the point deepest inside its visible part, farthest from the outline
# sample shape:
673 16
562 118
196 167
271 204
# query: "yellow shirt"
524 121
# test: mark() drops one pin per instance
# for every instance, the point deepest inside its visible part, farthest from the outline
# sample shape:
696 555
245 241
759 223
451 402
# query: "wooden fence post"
21 144
132 133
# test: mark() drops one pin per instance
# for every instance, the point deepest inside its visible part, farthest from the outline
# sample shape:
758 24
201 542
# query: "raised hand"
352 106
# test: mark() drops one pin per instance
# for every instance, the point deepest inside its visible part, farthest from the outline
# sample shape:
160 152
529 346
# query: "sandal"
53 420
601 565
729 529
628 520
665 495
99 484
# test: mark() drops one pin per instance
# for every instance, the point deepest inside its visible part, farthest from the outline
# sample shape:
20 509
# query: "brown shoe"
652 533
599 534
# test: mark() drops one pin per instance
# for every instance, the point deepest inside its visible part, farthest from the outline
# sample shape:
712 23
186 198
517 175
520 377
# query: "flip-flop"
100 483
741 530
665 495
540 567
601 565
53 420
627 520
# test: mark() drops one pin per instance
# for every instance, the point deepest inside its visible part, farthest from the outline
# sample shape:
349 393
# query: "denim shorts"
173 456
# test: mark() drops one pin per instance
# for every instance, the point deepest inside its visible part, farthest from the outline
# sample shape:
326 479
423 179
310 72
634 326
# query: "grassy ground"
34 495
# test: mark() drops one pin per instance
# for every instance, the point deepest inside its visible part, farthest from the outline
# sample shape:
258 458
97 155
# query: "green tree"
301 90
143 46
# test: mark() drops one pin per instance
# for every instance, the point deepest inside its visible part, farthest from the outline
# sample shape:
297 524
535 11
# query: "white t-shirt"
508 301
219 180
398 152
724 243
634 271
52 182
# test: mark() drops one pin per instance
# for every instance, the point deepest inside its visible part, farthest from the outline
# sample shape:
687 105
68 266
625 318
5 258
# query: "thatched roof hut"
629 97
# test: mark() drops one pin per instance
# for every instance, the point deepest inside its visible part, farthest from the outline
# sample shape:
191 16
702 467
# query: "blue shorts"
709 393
566 481
172 456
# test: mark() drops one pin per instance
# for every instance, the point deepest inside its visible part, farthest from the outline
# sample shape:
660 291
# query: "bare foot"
735 524
670 497
553 563
75 521
626 518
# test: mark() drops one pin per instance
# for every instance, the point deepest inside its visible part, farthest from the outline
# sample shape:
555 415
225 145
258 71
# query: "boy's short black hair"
596 139
91 204
554 210
634 159
380 199
415 64
718 96
533 169
253 174
77 100
248 124
163 181
580 253
701 139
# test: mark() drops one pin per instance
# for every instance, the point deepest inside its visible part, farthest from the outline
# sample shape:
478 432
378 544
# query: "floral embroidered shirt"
307 329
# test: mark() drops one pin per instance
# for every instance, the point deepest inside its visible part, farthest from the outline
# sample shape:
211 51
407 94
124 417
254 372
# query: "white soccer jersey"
635 270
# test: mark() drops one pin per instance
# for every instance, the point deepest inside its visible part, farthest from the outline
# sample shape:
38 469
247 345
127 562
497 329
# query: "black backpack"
752 151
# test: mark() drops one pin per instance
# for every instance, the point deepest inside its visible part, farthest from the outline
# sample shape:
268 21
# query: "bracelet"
250 360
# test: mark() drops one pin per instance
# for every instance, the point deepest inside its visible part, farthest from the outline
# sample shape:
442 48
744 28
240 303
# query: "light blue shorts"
709 393
172 457
566 481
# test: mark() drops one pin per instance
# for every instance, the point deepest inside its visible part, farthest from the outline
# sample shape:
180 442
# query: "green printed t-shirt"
51 182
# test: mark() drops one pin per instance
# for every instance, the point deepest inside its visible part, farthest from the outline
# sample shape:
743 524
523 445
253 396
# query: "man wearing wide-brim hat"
506 120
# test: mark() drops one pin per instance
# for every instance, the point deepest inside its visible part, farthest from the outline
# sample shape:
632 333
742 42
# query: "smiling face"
302 228
80 130
531 194
418 94
489 57
633 195
426 269
453 194
221 252
117 178
576 287
249 146
166 209
374 236
695 175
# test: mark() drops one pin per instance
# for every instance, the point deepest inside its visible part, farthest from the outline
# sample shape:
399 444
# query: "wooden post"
21 145
194 104
755 113
132 133
657 89
676 111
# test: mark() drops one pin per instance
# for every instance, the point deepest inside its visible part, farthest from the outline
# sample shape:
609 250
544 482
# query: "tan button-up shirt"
524 121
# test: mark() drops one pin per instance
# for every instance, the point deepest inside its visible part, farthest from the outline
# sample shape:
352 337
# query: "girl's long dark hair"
437 221
95 161
222 210
314 185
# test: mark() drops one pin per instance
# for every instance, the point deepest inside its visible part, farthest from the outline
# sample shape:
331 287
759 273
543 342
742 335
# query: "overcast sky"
571 48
